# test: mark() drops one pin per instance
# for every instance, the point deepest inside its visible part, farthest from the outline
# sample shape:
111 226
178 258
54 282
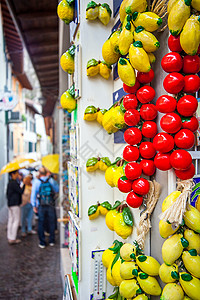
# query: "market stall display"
143 141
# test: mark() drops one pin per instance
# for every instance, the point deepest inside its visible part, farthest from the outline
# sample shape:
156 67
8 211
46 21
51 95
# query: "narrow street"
28 272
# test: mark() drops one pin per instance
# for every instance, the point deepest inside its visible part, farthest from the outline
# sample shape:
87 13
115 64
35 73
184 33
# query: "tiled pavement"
28 272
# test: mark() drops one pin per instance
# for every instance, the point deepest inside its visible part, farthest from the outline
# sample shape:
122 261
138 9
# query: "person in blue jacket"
43 201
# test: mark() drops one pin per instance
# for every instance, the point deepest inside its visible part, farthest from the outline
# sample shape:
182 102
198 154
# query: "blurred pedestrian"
46 188
46 226
20 178
27 208
14 196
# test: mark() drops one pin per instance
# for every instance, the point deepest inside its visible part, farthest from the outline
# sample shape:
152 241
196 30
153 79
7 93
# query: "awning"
37 23
30 104
14 47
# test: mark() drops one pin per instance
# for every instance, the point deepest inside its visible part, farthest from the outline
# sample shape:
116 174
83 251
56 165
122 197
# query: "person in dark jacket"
14 196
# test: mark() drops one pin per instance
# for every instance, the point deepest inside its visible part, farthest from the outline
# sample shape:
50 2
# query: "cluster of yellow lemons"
182 244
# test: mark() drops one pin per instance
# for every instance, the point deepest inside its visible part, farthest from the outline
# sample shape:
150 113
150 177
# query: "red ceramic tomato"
149 129
148 167
166 104
180 159
171 123
132 117
162 161
141 186
132 136
147 150
145 77
145 94
148 112
134 200
187 174
133 170
124 184
190 123
173 83
174 43
184 139
192 84
131 89
172 62
163 142
191 64
131 153
130 101
187 105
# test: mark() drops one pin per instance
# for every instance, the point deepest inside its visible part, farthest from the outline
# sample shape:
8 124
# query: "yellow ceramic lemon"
92 67
190 35
125 39
128 288
90 113
65 11
149 284
192 262
192 219
67 101
149 20
172 248
149 41
139 58
135 5
172 291
105 69
108 53
169 200
126 72
110 218
116 272
104 13
166 229
178 15
148 264
121 228
193 240
128 252
107 257
92 11
190 285
166 273
128 269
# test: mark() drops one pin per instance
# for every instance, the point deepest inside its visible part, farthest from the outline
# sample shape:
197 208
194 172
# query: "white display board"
77 73
67 295
74 188
74 246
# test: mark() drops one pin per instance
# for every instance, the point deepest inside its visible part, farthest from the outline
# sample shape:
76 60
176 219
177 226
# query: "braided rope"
145 224
174 214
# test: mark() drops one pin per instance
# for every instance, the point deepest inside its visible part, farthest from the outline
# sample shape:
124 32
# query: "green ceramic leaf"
127 216
91 162
92 209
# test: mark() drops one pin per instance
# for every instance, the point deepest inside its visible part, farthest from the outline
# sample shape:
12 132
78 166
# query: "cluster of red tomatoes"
140 115
168 149
178 121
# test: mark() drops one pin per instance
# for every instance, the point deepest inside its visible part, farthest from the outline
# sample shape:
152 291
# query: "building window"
17 88
18 145
11 140
30 147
